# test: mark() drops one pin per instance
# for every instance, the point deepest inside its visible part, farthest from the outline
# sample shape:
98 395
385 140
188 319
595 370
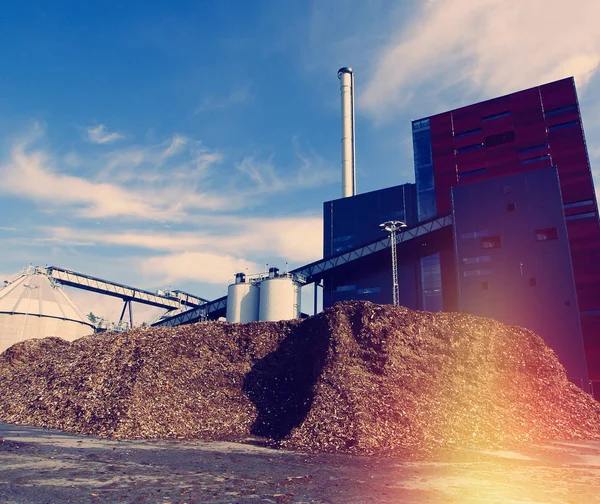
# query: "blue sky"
172 144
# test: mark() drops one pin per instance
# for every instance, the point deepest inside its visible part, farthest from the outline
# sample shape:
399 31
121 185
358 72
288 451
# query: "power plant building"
513 174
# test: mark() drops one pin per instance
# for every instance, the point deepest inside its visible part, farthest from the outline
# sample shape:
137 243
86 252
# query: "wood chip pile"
357 378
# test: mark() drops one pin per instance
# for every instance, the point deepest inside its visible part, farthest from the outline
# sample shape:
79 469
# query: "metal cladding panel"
370 279
591 330
279 299
242 303
513 260
15 328
354 221
559 94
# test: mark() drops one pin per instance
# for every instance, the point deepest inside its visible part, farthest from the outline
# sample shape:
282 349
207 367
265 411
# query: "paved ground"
42 466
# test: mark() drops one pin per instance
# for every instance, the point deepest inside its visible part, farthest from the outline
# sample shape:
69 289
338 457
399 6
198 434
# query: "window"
471 173
369 290
579 203
546 234
345 288
469 147
533 149
535 159
557 111
499 138
419 125
511 207
338 239
477 272
431 283
342 248
491 242
563 125
467 133
475 260
496 116
581 216
473 234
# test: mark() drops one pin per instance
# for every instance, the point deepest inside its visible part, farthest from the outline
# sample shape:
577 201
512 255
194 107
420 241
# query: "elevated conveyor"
315 271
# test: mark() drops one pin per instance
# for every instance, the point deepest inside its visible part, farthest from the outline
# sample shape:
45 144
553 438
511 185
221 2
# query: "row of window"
508 137
489 242
347 288
506 113
532 282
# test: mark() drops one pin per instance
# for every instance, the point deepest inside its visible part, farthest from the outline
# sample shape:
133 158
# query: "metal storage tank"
31 306
279 297
242 300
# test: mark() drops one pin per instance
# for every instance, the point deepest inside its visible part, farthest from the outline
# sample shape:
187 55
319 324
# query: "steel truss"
172 300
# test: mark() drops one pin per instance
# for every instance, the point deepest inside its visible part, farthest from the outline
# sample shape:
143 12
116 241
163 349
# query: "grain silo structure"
32 306
279 297
242 300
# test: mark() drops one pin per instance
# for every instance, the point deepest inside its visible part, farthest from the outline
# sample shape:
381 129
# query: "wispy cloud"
100 135
310 170
236 97
32 174
195 266
488 47
7 228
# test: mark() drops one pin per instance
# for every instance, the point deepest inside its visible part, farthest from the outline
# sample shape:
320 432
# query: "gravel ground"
45 466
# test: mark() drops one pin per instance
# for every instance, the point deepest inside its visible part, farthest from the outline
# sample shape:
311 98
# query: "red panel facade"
527 130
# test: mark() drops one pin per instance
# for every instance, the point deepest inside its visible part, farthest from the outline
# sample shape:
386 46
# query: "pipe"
346 77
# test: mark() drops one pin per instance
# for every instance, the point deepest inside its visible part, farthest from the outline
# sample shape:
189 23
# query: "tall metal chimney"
346 77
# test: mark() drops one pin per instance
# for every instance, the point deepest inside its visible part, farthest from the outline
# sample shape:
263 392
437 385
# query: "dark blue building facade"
514 261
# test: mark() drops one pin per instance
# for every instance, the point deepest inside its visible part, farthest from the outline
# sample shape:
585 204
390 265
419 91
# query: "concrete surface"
43 466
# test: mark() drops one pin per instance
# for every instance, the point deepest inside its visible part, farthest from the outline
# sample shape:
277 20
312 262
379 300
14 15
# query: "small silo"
242 300
31 306
279 297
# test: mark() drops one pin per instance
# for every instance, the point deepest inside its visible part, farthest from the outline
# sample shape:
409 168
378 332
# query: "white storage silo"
279 297
242 300
32 307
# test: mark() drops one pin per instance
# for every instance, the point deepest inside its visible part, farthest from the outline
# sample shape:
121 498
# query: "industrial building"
502 222
513 175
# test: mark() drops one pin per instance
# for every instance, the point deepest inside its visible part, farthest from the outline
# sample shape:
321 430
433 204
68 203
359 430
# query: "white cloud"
100 135
297 239
7 228
201 266
490 47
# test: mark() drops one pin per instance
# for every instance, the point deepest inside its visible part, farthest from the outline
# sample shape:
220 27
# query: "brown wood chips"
357 378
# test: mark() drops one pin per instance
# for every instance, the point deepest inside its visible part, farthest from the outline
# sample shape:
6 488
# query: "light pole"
393 227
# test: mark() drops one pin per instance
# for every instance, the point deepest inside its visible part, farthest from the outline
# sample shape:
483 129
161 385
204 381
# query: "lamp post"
393 227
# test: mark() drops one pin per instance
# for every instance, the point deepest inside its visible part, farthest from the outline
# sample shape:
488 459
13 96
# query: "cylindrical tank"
279 299
242 300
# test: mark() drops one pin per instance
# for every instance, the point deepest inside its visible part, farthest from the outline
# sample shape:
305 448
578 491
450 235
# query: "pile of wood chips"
357 378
